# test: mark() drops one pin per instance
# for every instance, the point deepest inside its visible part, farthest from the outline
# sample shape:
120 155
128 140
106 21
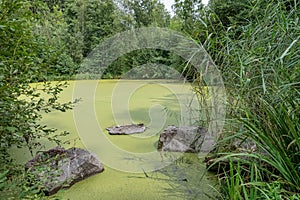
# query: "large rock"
60 168
126 129
185 139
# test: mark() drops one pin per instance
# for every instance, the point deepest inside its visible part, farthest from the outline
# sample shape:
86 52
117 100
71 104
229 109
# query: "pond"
147 174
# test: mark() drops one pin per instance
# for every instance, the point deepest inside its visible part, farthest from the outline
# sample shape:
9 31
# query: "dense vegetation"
255 44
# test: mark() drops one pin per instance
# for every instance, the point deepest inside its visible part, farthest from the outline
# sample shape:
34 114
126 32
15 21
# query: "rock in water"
185 139
60 168
126 129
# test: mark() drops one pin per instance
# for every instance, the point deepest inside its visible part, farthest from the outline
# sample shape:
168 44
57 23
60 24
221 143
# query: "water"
154 103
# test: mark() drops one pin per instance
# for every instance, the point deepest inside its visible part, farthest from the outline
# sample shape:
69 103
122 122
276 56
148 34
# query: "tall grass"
260 64
274 169
261 67
277 134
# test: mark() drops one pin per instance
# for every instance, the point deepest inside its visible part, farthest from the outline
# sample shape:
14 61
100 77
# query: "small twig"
145 173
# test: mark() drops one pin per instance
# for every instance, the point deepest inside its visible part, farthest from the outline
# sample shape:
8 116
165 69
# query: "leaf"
11 129
3 176
288 49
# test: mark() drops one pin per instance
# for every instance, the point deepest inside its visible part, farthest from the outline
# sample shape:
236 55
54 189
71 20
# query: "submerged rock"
185 139
60 168
126 129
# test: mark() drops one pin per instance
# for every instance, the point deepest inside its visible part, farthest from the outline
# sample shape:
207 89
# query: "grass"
261 69
260 62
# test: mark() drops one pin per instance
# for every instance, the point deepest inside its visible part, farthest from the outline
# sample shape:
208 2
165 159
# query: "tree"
230 12
147 13
52 30
20 103
89 22
136 14
189 13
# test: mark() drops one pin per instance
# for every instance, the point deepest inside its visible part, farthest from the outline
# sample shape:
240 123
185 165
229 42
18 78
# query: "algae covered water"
133 167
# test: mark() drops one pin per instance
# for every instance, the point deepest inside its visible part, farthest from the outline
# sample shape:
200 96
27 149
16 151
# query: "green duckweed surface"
154 103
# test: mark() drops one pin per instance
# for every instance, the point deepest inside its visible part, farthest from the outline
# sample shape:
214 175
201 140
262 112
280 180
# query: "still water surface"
110 102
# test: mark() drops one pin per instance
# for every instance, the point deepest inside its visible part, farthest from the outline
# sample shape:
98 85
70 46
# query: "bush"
20 103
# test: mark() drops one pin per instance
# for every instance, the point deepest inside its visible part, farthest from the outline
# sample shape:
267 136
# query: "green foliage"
232 12
135 59
88 23
189 14
259 58
241 182
255 44
51 31
3 179
277 133
23 60
147 13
